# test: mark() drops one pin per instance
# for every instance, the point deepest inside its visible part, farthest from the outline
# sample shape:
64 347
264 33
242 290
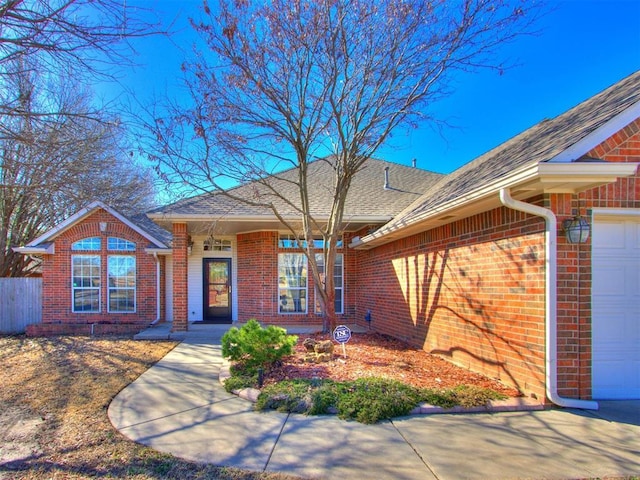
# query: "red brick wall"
257 276
472 291
574 290
57 315
180 278
258 282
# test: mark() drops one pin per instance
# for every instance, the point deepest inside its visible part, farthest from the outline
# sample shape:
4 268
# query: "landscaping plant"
366 400
253 347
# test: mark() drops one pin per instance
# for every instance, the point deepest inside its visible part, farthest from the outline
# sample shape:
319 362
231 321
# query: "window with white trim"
292 283
212 244
85 281
88 244
120 244
121 272
289 241
338 272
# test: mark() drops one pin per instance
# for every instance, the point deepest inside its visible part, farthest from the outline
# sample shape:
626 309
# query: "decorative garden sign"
342 334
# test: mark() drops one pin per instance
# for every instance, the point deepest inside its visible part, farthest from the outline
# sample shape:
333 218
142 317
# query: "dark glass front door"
217 290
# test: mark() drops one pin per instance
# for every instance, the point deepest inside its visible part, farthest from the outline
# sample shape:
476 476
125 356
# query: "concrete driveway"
179 407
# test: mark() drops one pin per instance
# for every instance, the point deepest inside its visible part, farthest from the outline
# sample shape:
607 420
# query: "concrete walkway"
178 406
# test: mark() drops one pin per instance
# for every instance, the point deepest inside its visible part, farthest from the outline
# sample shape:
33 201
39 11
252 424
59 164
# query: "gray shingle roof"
540 143
155 230
367 197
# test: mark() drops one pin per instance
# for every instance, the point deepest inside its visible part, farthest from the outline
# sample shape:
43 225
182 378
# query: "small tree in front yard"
282 83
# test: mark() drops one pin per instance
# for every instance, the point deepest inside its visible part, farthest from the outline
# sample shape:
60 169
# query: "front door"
217 290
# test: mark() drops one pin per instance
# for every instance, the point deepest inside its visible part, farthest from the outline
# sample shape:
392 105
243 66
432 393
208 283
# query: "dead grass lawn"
54 394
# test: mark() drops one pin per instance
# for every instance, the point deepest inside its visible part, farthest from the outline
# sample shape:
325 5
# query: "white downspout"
155 255
551 320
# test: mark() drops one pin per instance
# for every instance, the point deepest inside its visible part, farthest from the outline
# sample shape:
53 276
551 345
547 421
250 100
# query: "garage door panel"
612 326
616 309
610 280
610 235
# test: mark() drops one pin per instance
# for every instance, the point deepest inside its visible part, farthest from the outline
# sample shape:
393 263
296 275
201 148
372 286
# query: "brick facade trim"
57 315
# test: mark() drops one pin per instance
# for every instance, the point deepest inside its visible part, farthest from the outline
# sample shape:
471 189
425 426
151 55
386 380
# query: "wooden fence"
20 303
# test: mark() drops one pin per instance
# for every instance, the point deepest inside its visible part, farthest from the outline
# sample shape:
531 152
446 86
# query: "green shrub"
253 346
463 395
240 381
312 397
325 397
290 396
366 400
369 400
472 396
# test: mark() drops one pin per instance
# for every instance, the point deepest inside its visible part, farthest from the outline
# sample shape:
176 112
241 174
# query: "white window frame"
114 289
213 244
288 241
88 244
320 262
75 288
117 244
283 297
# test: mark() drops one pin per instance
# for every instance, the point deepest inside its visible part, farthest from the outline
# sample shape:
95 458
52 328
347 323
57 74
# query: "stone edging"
518 404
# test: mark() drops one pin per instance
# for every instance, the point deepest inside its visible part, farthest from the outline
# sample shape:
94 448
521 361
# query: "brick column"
574 295
180 285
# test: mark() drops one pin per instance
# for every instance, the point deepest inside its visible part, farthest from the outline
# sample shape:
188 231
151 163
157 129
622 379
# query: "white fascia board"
599 135
615 212
85 212
134 227
48 250
605 172
62 226
524 175
159 251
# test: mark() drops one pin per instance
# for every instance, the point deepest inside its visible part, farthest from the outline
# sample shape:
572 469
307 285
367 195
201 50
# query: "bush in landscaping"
366 400
369 400
313 397
255 347
462 395
290 396
240 379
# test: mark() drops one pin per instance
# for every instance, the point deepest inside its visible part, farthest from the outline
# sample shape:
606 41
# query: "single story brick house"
477 265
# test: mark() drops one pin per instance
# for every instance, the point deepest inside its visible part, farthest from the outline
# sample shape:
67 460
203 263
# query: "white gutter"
543 176
551 320
155 255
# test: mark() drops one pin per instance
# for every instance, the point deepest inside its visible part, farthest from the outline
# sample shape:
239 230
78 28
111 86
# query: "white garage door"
616 307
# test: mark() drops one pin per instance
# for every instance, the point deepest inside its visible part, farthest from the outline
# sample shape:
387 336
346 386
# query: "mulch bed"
375 355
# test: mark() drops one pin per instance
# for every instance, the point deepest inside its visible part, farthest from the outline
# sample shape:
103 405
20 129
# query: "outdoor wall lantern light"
103 227
576 229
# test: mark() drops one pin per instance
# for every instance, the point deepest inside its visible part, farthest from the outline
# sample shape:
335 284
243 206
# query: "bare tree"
283 82
58 147
83 34
53 165
88 39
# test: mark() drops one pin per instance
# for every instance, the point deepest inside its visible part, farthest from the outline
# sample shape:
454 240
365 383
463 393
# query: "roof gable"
79 216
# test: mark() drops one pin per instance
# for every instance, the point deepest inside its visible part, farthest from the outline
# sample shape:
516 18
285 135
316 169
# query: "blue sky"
583 46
